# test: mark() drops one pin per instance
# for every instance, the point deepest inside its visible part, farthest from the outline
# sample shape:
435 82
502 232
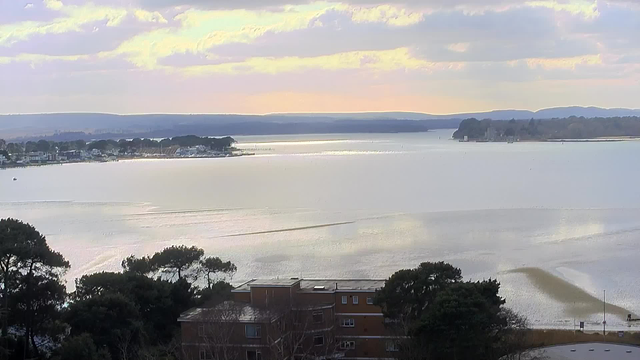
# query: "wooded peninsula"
572 128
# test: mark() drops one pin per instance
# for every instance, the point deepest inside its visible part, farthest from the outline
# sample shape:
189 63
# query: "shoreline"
22 166
539 338
590 140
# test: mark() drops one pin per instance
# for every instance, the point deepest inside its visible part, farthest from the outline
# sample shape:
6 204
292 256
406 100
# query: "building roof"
342 285
228 311
273 282
310 285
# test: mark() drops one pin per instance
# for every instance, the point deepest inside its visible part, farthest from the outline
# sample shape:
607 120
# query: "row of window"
250 331
253 331
318 340
348 323
355 299
206 354
390 346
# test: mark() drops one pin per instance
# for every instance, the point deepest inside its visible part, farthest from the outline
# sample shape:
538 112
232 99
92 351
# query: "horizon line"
317 112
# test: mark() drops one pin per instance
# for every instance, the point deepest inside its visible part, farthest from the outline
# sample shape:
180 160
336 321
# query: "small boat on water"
15 179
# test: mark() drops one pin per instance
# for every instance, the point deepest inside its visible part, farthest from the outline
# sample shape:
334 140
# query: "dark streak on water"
291 229
577 301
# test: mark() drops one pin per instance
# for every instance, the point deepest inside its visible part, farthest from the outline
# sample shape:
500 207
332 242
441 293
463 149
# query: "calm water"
555 223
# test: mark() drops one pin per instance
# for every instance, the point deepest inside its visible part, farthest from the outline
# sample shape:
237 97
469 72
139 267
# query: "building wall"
369 348
193 333
364 326
361 307
264 297
315 298
244 297
369 331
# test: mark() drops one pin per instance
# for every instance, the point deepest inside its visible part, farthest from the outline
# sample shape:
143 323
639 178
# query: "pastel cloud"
71 19
262 49
386 14
459 47
396 59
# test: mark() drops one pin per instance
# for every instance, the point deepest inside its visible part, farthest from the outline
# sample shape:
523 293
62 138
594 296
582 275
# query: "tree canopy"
566 128
32 287
110 315
81 347
464 322
441 317
407 293
177 260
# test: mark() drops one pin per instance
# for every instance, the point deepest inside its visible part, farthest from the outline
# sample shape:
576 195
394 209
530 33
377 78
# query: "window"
206 354
369 301
318 340
254 355
347 345
252 331
201 330
318 317
355 300
345 299
392 346
348 323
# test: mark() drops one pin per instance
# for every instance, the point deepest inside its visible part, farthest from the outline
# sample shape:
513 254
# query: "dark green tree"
437 316
112 320
141 266
36 307
15 148
473 128
211 267
30 146
159 302
101 145
43 145
81 347
465 322
29 269
408 293
177 260
80 145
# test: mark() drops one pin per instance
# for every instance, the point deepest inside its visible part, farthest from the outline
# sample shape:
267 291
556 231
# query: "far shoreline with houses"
13 155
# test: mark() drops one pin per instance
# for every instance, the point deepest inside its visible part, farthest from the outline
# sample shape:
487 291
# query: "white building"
37 156
190 151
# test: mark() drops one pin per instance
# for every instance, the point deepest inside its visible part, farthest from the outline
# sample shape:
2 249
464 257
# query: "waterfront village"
47 153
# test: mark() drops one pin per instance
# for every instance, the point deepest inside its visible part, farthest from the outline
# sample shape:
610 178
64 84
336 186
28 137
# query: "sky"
265 56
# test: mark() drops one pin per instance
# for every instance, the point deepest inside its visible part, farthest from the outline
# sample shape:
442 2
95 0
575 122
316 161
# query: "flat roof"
590 351
344 285
273 282
308 285
228 311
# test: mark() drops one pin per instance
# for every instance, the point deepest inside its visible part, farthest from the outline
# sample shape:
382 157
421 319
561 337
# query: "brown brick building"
293 318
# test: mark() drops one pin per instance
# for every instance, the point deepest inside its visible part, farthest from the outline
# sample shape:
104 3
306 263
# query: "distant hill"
96 125
551 113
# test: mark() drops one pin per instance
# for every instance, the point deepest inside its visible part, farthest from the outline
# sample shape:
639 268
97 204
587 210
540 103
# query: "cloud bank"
261 56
